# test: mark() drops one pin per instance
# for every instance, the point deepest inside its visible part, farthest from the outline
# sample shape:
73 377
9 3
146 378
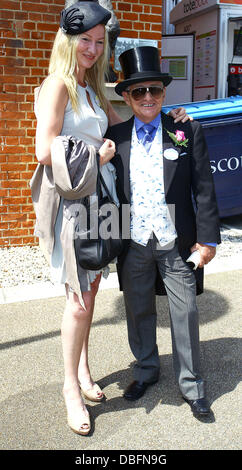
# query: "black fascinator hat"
139 65
82 16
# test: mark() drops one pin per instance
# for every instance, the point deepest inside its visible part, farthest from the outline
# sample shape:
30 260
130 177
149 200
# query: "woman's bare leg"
75 325
84 374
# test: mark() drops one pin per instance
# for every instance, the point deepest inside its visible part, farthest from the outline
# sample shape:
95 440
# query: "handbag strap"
101 182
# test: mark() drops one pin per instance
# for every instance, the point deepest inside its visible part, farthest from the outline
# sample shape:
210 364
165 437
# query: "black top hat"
139 65
82 16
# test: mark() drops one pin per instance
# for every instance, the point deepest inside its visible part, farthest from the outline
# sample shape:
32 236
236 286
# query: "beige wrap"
73 176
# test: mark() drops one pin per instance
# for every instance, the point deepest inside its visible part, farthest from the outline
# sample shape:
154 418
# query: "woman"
71 102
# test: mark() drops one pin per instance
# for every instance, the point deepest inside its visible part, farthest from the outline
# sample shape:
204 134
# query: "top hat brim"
165 78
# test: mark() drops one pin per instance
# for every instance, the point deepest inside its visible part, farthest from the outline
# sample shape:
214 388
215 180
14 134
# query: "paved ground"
32 408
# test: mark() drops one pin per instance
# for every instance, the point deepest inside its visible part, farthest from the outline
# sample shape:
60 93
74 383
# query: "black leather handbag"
101 241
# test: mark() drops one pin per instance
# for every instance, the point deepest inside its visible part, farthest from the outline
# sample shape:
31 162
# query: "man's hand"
179 114
207 253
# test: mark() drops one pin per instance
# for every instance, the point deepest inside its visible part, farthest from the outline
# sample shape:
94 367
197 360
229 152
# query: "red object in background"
235 79
235 69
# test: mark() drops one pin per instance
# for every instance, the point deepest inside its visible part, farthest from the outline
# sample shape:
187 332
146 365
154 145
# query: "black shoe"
137 389
199 407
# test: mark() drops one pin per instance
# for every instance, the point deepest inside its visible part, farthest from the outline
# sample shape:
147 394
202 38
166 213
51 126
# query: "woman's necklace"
82 84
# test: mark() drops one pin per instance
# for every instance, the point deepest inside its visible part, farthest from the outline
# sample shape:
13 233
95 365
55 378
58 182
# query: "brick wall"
140 18
27 30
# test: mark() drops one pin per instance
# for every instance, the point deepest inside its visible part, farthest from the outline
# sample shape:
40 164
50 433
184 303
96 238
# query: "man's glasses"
139 93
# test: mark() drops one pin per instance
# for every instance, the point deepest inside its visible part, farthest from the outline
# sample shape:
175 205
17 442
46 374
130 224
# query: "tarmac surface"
33 415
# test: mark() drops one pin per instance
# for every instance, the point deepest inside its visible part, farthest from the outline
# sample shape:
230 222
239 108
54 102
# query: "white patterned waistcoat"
149 211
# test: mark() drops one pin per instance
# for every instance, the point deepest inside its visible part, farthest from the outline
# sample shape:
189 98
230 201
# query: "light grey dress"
90 126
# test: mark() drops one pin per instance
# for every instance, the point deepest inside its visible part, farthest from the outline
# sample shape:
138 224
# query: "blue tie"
147 139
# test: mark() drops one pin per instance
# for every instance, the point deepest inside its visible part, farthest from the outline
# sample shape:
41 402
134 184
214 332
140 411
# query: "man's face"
147 106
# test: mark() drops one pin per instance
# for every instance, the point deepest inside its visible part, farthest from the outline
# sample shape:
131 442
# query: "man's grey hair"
68 3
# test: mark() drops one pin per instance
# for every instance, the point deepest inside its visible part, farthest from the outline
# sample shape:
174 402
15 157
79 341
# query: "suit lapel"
124 152
169 166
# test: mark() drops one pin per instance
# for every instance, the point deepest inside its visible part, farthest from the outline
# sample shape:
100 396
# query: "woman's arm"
178 114
51 105
113 117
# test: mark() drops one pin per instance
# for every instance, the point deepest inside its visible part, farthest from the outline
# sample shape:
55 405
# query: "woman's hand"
106 151
179 114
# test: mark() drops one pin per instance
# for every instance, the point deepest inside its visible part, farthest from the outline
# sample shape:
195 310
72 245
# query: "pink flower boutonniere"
178 138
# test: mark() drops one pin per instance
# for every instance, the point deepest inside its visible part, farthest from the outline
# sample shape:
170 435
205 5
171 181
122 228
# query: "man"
162 180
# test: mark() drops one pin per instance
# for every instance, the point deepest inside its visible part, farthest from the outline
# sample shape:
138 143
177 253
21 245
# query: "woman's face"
90 47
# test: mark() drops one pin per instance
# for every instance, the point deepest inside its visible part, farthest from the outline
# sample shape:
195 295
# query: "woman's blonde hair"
63 63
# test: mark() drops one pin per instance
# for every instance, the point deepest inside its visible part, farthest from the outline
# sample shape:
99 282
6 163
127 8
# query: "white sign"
123 44
189 7
205 60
